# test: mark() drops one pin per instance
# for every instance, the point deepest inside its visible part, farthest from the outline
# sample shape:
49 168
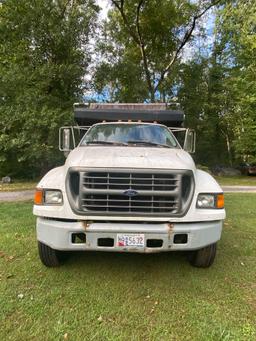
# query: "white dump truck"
128 186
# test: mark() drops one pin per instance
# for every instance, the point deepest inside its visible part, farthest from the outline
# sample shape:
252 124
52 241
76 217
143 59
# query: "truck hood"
129 157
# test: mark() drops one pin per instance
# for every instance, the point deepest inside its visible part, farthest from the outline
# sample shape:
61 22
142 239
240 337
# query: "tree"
236 27
148 38
44 56
218 93
202 96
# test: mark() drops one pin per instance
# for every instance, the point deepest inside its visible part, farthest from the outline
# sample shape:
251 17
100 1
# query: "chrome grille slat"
136 206
118 191
124 184
123 200
127 178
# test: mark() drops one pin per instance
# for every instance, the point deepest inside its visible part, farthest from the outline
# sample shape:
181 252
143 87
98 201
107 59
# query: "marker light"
39 197
220 201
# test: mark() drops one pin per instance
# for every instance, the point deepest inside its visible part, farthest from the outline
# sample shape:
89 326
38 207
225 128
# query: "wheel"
203 258
50 257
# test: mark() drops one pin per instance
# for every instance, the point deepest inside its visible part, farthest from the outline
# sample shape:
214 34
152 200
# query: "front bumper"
58 234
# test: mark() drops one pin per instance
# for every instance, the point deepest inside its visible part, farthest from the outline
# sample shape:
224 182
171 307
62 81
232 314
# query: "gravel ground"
239 189
17 196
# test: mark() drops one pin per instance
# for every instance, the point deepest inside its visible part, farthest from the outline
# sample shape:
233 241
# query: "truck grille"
130 192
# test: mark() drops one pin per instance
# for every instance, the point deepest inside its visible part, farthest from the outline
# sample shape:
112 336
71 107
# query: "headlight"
210 200
48 197
52 197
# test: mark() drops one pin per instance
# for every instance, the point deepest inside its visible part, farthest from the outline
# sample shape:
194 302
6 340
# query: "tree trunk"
152 95
229 150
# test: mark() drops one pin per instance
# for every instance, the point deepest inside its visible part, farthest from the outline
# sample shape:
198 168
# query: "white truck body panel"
129 157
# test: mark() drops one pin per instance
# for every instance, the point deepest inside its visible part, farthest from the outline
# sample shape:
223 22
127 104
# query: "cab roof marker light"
85 105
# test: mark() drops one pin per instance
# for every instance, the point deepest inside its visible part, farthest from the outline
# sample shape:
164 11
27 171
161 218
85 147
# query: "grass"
18 186
104 296
242 180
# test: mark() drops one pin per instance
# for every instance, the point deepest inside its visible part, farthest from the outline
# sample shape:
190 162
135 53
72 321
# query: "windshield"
130 134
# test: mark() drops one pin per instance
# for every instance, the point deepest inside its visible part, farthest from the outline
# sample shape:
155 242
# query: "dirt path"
17 195
239 189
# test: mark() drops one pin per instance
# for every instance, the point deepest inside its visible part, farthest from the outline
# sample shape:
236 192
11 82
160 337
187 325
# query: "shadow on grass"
126 262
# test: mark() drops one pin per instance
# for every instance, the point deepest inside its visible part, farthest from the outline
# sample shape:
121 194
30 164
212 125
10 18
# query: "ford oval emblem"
130 193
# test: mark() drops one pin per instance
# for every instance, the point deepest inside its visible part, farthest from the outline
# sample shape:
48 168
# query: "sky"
105 5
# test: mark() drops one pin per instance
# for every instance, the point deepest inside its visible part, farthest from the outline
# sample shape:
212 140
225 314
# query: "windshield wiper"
108 142
149 143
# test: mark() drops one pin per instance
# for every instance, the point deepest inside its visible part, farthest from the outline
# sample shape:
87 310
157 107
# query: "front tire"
50 257
203 258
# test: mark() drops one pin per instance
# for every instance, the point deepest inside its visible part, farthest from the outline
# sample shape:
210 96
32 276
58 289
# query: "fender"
205 183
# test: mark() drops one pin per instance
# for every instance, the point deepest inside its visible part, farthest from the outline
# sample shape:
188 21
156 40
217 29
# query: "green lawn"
18 186
104 296
242 180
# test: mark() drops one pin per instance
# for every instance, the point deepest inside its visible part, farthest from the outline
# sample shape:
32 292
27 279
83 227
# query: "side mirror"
69 137
190 141
66 140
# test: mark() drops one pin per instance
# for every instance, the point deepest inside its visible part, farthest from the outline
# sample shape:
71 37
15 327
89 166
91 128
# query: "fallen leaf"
100 319
20 296
2 254
65 336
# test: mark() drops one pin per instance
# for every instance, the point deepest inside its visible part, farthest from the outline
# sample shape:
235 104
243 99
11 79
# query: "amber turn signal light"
38 197
220 201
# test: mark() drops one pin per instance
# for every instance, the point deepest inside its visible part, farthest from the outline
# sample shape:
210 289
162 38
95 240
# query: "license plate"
137 240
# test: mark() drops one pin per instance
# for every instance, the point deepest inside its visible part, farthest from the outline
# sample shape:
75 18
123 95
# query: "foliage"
44 55
239 36
236 27
218 92
202 96
141 42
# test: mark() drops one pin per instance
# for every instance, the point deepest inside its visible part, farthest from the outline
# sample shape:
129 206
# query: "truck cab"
128 186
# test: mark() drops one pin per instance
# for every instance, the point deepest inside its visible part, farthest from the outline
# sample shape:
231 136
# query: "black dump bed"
86 115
